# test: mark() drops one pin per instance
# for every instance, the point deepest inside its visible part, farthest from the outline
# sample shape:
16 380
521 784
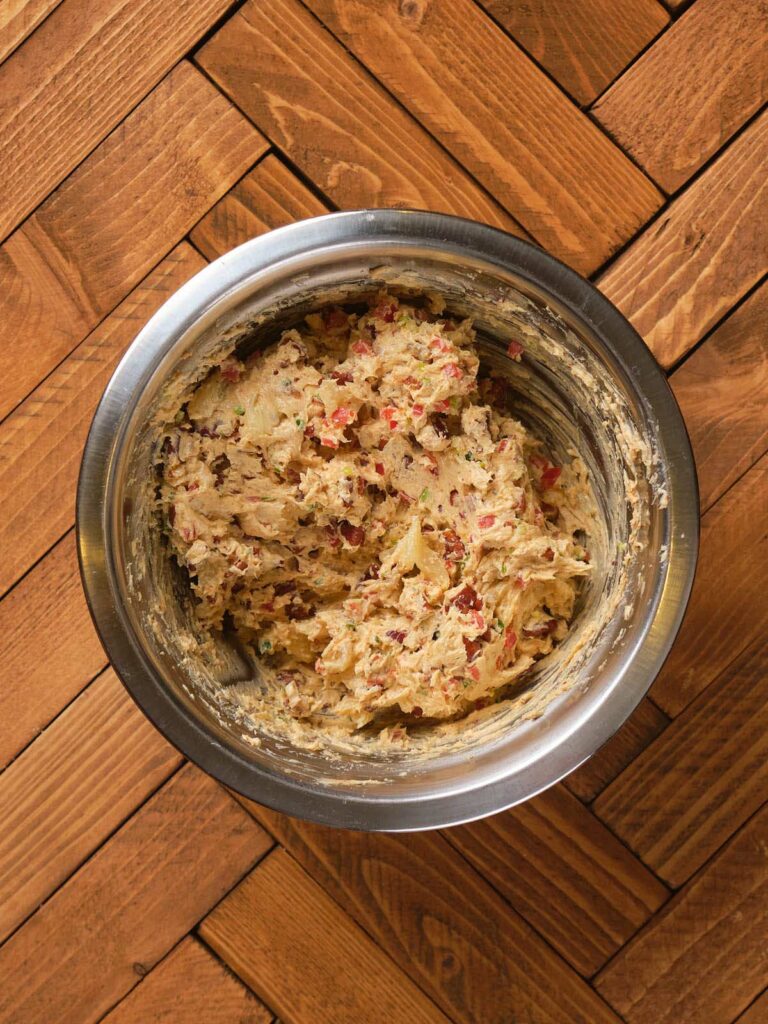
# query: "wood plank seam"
216 955
380 83
28 35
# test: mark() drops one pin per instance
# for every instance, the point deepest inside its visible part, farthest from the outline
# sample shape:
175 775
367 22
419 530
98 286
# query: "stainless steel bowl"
587 381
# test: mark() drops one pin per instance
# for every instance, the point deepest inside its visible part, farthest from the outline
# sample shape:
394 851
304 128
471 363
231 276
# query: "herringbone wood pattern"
140 138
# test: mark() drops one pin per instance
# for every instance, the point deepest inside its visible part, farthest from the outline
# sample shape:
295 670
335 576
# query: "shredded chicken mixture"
393 547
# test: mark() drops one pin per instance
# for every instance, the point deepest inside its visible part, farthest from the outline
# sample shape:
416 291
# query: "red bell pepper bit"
334 316
389 415
343 415
329 442
454 548
486 522
379 467
515 350
502 445
333 537
453 370
474 671
472 648
467 599
442 406
362 348
550 477
418 409
542 629
341 377
353 535
510 639
385 311
549 554
231 370
439 345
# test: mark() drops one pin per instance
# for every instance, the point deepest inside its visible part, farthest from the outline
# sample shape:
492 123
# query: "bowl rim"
185 308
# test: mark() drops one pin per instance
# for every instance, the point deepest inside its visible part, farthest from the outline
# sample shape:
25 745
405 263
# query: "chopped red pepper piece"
418 409
343 415
453 370
362 348
353 535
467 599
389 414
549 477
334 316
379 467
515 350
486 522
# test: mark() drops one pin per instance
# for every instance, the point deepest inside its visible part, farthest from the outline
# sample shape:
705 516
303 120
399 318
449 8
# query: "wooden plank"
504 120
688 792
50 649
583 44
269 197
18 18
441 922
728 610
113 219
189 987
41 442
690 267
564 872
129 904
703 960
723 394
757 1012
696 86
644 724
336 123
101 58
74 785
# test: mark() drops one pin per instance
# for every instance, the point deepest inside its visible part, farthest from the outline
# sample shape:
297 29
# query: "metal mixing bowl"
587 381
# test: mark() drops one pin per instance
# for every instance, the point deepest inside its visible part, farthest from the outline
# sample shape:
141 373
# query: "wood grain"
335 122
727 610
269 197
565 873
441 922
18 18
691 789
704 253
120 212
644 725
723 394
50 649
102 57
476 92
705 959
757 1012
129 904
583 44
303 955
41 442
698 84
70 789
190 986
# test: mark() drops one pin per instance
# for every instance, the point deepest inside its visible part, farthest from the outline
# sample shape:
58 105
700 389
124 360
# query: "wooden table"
141 138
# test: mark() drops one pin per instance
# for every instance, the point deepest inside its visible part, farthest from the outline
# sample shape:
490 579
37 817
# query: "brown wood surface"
681 101
688 791
704 959
477 93
701 255
728 610
139 140
53 812
130 904
440 922
190 986
41 442
583 44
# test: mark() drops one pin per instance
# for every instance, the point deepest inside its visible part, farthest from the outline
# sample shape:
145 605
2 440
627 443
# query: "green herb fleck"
265 646
503 568
455 402
352 626
498 626
299 421
424 494
468 456
239 410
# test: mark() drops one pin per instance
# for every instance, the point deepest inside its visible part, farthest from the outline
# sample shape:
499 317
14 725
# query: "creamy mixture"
396 549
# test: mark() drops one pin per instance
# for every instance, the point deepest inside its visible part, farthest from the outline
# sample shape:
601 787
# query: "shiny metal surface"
282 272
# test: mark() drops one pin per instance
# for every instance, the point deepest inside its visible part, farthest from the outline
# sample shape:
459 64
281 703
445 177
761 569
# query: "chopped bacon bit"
379 467
389 415
542 629
298 611
486 522
353 535
453 370
439 345
343 415
454 497
329 442
439 425
398 635
454 548
333 537
292 475
372 572
472 648
474 671
510 639
285 588
309 430
549 554
231 370
442 406
340 377
334 316
362 348
519 583
382 443
194 486
550 511
549 477
417 712
361 485
515 350
385 311
418 409
467 599
478 620
268 607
